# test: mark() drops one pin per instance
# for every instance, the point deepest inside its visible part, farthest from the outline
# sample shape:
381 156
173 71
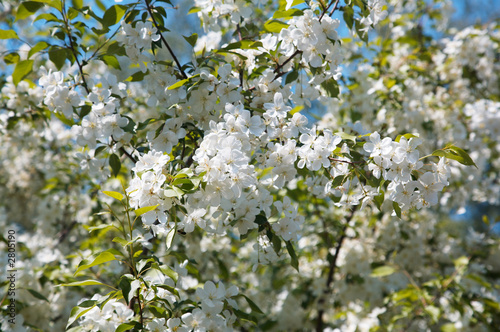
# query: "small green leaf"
113 194
8 34
293 255
37 295
192 39
37 48
178 84
397 209
383 271
83 283
103 257
121 241
170 237
145 209
275 26
26 9
296 109
115 163
379 200
346 136
11 58
291 76
113 15
49 17
461 262
173 192
286 14
167 270
23 68
58 56
407 136
111 61
253 306
80 310
455 153
170 289
126 327
294 3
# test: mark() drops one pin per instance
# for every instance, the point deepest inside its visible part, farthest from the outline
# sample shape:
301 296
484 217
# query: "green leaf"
293 255
244 316
192 39
407 136
178 84
379 200
383 271
455 153
296 109
8 34
331 87
80 310
58 56
286 14
158 312
126 326
170 289
145 209
124 285
121 241
346 136
450 327
461 262
11 58
83 283
23 68
113 15
173 192
103 257
291 76
349 16
294 3
167 270
170 237
111 60
433 312
114 194
49 17
37 48
37 295
276 241
397 209
26 9
242 44
253 306
275 26
115 163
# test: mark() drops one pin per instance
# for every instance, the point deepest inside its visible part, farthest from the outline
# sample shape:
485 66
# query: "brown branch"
331 270
148 6
72 48
326 9
122 150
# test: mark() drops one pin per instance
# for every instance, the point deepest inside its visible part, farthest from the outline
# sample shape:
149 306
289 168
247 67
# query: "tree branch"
72 48
326 9
331 270
148 6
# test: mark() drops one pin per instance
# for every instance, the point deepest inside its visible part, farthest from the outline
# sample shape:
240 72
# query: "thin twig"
148 6
72 48
326 9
